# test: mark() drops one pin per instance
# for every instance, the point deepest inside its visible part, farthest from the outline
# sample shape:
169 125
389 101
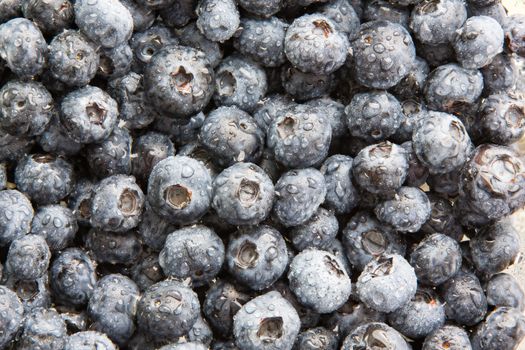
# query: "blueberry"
55 139
231 135
343 16
365 239
108 23
24 48
147 271
28 257
152 317
26 108
179 189
308 317
504 290
314 45
387 283
299 193
147 43
269 108
72 276
445 185
300 137
448 337
317 232
465 301
43 329
495 10
504 329
3 177
332 287
10 9
350 316
218 20
179 81
148 150
412 85
154 229
243 194
374 10
115 62
442 218
88 340
514 34
46 179
88 114
185 346
417 173
223 300
263 8
197 151
112 307
341 194
112 156
113 248
257 256
182 131
80 201
11 315
194 252
389 66
500 75
191 36
375 334
316 338
422 315
116 204
304 86
413 109
381 168
175 13
143 16
275 325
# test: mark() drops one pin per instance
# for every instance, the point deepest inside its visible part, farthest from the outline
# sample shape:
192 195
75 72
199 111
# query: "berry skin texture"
11 316
231 135
407 211
45 179
298 195
464 299
455 337
179 81
263 8
500 75
514 34
423 314
27 59
243 194
115 62
195 252
185 346
26 108
305 86
72 277
88 114
315 338
183 306
275 325
117 204
73 58
495 247
257 256
28 257
417 173
111 156
262 40
16 216
492 185
442 218
314 45
191 36
436 22
389 67
318 232
113 247
343 16
341 194
366 239
147 43
441 142
149 148
180 189
300 137
504 290
218 20
478 41
380 168
387 283
88 340
373 116
43 329
332 287
504 329
375 334
108 23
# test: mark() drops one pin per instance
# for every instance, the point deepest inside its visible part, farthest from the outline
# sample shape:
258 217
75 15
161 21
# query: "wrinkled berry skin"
492 185
448 334
28 257
179 81
332 286
46 179
88 114
257 256
183 306
23 48
388 67
298 195
11 316
43 329
16 216
380 168
231 135
108 23
195 252
258 330
26 108
314 45
387 283
374 334
373 116
341 194
180 189
504 329
300 138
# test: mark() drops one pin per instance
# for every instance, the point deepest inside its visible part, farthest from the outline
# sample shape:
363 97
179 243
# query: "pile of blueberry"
260 174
